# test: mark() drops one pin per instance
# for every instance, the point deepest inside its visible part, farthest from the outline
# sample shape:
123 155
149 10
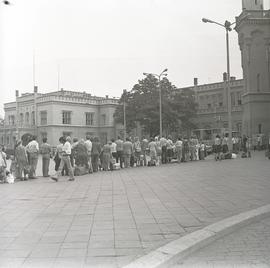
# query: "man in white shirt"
33 148
65 159
88 144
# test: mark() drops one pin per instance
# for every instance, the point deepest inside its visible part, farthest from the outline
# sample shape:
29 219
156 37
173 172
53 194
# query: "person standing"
178 149
137 150
88 144
202 150
22 161
127 151
217 148
119 151
225 142
66 152
163 144
244 141
33 148
234 143
45 150
186 150
74 151
82 155
3 165
106 155
153 151
113 149
96 150
144 150
58 153
169 149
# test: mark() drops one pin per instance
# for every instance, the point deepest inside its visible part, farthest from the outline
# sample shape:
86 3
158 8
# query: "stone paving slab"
111 218
246 247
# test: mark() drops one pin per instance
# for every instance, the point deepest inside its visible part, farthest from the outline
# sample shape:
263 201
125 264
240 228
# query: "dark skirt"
217 149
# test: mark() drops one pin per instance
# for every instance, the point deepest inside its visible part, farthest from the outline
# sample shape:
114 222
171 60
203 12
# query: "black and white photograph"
134 134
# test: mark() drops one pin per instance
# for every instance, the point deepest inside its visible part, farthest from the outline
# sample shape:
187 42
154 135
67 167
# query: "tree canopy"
142 106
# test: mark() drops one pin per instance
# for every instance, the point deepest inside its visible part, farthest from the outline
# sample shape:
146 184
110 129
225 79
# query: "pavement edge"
186 245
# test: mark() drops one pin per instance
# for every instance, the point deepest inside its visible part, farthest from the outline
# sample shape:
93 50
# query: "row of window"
22 119
66 118
89 118
217 100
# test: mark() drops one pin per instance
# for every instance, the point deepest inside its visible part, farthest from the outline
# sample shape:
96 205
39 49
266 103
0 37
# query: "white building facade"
60 113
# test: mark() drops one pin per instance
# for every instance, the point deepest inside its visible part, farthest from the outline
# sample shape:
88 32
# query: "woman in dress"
22 162
153 151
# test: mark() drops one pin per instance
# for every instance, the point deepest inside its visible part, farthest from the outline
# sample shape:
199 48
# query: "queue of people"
79 157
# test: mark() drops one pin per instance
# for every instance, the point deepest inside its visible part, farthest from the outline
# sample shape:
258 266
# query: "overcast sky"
104 46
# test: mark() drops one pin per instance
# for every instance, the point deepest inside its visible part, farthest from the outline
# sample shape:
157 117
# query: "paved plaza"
247 247
109 219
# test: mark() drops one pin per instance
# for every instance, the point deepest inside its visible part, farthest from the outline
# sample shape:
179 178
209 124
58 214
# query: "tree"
142 106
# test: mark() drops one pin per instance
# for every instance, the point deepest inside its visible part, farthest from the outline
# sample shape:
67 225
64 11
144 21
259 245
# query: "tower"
253 27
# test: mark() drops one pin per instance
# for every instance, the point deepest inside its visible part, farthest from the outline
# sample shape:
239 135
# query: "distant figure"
66 152
119 151
33 148
45 150
144 149
179 149
137 149
202 151
113 149
96 150
88 144
217 148
22 162
153 151
163 144
127 150
225 143
186 150
106 156
3 165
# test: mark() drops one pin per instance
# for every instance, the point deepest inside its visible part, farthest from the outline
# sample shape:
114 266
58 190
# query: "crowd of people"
79 157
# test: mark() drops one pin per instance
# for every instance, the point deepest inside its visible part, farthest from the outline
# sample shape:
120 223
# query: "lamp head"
206 20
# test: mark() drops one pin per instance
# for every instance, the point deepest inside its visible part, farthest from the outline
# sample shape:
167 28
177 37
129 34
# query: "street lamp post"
17 115
124 108
163 73
227 25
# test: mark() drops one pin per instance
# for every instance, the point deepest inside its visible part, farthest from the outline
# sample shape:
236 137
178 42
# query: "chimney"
17 93
224 77
233 78
107 96
195 81
35 89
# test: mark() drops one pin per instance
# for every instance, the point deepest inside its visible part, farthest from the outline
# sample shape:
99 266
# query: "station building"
59 113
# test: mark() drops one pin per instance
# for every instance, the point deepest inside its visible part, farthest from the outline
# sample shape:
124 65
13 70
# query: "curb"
186 245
